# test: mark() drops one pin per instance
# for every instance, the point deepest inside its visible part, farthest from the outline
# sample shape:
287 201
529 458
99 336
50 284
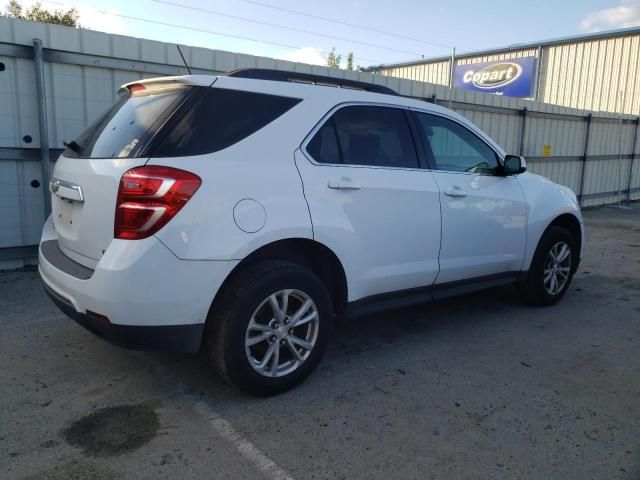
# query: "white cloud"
626 14
104 22
310 55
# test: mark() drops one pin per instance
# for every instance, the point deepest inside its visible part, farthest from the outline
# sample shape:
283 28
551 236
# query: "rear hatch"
87 175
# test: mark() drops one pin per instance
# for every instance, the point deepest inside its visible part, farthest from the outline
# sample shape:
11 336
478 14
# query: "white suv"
242 213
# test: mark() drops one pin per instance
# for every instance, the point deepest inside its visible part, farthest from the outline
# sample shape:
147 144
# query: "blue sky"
431 27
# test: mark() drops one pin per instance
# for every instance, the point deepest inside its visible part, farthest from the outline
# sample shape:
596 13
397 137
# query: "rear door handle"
343 184
455 192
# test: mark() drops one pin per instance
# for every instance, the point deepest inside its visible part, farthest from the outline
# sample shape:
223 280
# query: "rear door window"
365 135
323 147
219 119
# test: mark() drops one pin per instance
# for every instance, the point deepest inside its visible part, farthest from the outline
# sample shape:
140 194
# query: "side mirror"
514 164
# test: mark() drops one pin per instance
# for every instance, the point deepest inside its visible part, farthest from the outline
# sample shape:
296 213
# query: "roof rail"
284 76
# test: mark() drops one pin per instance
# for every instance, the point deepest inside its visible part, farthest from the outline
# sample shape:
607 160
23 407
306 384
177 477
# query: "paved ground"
474 388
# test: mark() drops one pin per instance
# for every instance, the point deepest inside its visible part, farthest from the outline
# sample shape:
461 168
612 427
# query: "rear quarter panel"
260 167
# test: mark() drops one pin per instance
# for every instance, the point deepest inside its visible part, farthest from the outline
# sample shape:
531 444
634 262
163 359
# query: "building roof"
516 47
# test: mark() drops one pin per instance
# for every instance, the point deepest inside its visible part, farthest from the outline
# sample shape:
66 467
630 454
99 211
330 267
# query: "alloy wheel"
557 268
282 333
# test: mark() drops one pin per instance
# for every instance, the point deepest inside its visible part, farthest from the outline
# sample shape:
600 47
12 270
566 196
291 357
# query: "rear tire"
552 267
268 329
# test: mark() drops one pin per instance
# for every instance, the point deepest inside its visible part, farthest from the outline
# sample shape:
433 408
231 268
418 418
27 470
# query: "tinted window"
323 147
362 135
125 127
454 148
219 119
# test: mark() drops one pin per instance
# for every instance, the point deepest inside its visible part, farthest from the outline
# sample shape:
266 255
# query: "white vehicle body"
419 230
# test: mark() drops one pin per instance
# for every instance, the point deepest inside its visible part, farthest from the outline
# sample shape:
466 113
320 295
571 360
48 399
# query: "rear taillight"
149 197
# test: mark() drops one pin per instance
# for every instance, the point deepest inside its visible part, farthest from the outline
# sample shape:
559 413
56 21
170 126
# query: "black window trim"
424 143
421 156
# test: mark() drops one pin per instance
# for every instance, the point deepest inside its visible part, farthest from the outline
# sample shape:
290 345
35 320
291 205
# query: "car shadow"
400 332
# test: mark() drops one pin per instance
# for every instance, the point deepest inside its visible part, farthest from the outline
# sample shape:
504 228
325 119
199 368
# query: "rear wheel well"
307 253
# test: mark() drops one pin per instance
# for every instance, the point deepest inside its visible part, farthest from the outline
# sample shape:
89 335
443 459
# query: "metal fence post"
584 157
452 69
633 158
536 81
38 59
523 129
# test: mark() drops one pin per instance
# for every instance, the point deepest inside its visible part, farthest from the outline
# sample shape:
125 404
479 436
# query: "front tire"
552 268
269 328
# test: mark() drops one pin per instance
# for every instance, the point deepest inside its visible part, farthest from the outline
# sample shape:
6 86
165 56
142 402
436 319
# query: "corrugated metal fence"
53 87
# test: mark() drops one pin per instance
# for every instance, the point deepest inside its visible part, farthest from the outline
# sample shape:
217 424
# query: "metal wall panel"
22 206
504 129
605 176
635 181
18 117
611 138
562 172
433 72
10 204
565 137
599 75
530 52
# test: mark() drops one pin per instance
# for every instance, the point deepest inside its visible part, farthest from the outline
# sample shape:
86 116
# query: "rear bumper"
171 338
151 299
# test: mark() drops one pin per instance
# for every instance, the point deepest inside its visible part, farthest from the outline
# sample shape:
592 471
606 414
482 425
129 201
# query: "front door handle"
343 184
455 191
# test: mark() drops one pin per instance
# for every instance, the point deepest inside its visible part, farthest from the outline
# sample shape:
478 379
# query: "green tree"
334 60
14 9
350 61
37 13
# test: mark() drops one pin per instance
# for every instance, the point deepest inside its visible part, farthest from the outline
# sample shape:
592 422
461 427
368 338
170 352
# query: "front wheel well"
572 224
313 255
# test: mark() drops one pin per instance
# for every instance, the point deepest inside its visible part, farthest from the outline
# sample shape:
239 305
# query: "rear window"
127 127
219 119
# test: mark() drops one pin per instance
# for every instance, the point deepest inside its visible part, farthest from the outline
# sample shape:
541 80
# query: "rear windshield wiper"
73 145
